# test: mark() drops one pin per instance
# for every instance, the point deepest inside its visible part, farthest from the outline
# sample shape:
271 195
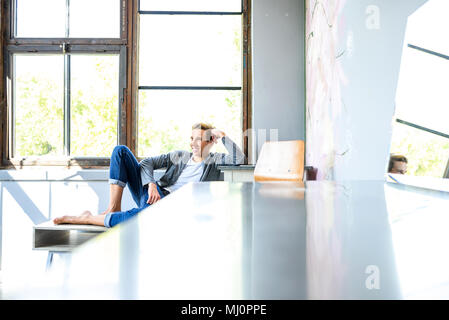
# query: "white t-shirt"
192 172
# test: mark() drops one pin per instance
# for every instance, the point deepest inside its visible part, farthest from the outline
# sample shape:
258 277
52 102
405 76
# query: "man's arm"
235 154
148 165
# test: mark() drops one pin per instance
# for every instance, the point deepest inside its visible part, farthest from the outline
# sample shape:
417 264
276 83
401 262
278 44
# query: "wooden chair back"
280 161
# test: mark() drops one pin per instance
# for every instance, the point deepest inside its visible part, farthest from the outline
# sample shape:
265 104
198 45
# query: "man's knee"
120 150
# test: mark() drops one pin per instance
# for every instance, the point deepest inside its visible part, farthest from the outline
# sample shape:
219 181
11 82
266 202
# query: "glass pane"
190 50
427 153
166 118
95 19
94 104
191 5
40 19
38 105
423 90
427 27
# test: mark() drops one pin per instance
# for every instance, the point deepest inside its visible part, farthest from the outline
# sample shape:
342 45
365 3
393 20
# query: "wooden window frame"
127 44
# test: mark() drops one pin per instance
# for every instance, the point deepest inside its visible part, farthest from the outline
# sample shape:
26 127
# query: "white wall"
349 132
373 70
278 70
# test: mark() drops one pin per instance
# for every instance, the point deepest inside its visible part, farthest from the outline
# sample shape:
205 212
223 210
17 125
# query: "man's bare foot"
84 218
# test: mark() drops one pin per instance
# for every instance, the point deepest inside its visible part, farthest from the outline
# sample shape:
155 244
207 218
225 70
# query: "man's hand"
153 194
217 135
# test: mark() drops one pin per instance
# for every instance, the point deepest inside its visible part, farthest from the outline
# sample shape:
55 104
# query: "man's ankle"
109 210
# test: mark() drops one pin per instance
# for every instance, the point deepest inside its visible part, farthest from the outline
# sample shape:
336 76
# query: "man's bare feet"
84 218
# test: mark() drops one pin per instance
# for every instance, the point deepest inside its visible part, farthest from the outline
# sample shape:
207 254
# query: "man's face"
199 143
399 167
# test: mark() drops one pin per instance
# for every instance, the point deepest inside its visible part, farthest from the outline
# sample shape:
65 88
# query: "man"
182 167
397 164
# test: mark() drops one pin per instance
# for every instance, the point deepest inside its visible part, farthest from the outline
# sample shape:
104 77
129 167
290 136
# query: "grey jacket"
175 162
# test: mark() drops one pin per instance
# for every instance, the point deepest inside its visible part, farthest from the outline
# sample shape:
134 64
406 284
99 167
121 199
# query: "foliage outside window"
39 105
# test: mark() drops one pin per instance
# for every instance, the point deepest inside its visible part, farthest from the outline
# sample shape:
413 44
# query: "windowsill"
57 162
438 184
55 174
237 167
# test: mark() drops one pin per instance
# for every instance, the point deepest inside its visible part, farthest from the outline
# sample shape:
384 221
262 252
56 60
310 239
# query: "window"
82 76
190 70
64 81
421 132
67 18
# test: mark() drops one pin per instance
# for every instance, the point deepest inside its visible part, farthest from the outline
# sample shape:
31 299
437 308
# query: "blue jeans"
125 170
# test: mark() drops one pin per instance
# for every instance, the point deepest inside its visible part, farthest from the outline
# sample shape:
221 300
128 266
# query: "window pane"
166 118
38 105
427 153
94 104
191 5
427 27
190 50
40 19
95 19
423 90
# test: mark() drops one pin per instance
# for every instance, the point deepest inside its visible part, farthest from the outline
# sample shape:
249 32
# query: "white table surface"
219 240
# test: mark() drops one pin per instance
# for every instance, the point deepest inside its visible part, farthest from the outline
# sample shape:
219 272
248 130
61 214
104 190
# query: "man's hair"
394 158
204 126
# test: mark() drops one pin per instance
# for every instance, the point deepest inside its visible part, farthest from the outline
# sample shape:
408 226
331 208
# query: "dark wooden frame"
247 76
128 116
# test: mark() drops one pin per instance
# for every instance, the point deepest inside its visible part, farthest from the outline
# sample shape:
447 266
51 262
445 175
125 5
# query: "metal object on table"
62 238
238 173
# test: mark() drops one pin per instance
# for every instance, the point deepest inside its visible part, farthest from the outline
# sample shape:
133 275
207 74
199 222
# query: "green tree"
427 153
